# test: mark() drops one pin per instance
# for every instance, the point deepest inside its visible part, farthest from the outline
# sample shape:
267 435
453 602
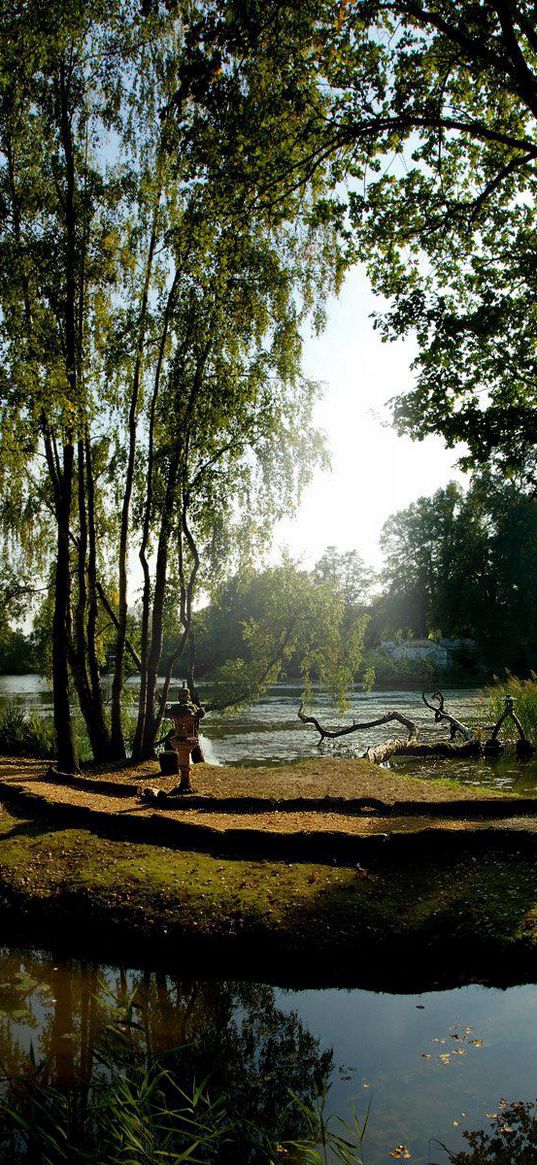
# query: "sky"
374 472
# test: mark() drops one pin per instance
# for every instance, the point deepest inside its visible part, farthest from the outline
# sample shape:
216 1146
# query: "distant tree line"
460 565
464 565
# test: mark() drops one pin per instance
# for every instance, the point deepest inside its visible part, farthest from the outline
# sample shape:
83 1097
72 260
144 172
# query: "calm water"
430 1065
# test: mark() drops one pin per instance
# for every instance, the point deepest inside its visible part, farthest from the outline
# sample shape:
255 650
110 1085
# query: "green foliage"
434 115
153 402
465 563
135 1108
279 621
134 1111
525 696
330 1139
25 733
17 654
511 1136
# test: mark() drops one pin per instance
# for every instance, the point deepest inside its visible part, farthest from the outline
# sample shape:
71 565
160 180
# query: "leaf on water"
506 1129
477 1043
458 1052
426 1056
445 1057
491 1116
455 1124
401 1153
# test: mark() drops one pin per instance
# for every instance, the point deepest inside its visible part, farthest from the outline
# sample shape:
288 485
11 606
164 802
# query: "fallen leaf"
401 1153
426 1056
506 1129
458 1052
477 1043
491 1116
455 1124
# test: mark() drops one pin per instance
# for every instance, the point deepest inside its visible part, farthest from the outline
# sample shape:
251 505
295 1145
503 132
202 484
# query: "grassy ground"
142 897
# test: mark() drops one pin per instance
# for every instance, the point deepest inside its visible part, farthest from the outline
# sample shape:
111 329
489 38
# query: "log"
382 752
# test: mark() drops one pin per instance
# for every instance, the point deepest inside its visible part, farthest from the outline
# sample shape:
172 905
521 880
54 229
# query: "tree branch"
333 734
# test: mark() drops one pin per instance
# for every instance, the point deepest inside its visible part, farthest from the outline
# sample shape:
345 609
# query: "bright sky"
374 472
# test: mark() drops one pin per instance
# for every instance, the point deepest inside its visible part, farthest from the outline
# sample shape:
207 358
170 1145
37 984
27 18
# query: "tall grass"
525 696
134 1112
24 733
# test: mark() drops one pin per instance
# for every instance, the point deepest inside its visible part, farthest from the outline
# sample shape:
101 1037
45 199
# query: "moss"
151 895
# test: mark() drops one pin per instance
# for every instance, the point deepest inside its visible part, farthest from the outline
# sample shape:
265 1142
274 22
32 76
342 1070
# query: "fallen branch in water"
436 705
333 733
382 752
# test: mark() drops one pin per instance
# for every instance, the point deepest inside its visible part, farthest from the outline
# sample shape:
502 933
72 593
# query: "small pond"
429 1065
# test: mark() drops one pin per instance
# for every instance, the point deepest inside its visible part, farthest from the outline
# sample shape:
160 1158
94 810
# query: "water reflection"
232 1035
432 1065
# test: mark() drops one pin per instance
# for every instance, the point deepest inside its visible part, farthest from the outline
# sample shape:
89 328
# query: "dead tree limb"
381 753
436 705
334 733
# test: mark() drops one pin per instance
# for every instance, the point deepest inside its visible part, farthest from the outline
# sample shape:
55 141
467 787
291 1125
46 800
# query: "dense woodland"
182 188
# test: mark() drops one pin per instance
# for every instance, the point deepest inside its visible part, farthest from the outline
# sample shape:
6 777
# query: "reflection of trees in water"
231 1035
510 1139
250 1051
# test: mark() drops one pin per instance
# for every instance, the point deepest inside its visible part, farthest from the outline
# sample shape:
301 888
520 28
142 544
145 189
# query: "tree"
346 571
150 328
465 565
435 550
280 621
433 115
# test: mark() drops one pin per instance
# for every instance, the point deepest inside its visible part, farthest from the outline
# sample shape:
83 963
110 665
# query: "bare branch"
333 734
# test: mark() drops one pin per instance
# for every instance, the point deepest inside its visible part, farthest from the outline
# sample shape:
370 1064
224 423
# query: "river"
430 1066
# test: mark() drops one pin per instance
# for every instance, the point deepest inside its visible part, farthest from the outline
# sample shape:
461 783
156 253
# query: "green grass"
525 696
149 892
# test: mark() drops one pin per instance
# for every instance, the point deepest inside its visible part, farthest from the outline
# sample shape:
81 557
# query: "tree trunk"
63 726
147 741
118 743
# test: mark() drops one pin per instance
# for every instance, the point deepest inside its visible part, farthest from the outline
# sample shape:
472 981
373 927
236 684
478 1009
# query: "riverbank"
462 906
